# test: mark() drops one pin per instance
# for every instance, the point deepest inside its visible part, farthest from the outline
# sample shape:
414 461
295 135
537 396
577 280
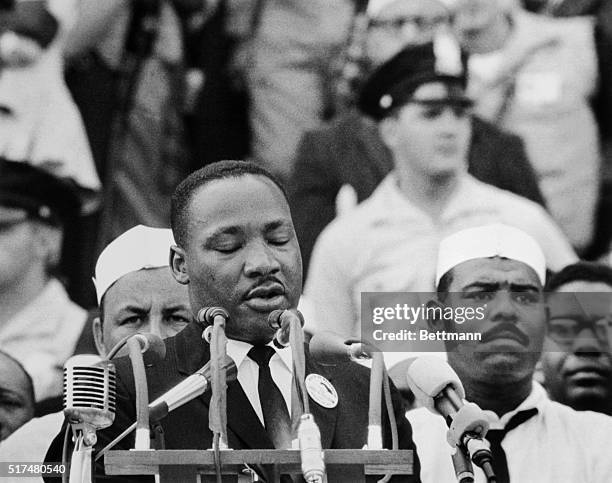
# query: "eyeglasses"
420 22
565 330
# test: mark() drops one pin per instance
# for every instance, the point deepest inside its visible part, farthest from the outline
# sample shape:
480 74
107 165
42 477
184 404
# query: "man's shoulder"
578 421
503 200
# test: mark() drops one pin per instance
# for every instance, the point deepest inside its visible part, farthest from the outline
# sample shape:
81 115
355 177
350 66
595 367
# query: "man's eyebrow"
483 286
132 309
523 287
175 308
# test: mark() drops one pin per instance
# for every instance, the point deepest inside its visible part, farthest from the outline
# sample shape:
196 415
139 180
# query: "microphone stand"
143 433
217 413
374 411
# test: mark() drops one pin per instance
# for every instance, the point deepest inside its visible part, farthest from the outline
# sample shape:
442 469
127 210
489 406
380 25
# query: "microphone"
206 315
152 347
143 349
188 389
437 387
89 394
332 348
281 321
311 451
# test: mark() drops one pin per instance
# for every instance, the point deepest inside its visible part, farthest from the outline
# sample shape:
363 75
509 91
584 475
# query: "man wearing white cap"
502 270
136 293
135 288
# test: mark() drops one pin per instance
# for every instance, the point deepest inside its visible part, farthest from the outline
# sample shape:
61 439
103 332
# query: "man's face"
143 301
241 254
514 322
402 23
17 246
472 17
578 364
16 403
429 139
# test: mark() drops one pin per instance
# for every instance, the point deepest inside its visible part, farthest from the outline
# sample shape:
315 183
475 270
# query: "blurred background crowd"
105 106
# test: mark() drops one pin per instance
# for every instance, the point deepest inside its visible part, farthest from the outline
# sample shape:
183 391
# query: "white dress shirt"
280 364
557 445
389 244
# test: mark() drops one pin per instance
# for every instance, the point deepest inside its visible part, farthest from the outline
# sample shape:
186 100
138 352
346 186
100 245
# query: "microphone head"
277 318
206 315
274 318
152 347
89 391
427 376
329 347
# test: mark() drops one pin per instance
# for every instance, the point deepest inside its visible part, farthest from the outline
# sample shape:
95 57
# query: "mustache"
506 329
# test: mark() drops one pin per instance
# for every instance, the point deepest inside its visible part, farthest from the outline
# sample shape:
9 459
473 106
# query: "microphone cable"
392 420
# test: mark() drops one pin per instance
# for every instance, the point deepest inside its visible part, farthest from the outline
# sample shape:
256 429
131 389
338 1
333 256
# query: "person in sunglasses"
389 242
577 363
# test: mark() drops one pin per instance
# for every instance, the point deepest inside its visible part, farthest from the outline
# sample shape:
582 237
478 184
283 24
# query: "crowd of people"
460 148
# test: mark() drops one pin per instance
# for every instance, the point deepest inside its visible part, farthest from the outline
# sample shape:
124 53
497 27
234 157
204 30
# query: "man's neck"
429 193
17 296
496 398
491 38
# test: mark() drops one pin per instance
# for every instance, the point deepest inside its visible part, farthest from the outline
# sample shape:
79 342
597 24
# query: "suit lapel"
324 417
243 421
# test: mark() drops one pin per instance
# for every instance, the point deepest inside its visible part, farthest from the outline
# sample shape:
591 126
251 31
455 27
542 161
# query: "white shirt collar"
238 351
537 399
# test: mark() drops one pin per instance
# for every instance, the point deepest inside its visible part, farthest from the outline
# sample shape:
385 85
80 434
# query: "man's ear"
387 129
435 319
98 335
178 264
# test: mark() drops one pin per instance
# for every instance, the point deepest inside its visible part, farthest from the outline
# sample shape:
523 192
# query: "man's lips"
266 290
589 373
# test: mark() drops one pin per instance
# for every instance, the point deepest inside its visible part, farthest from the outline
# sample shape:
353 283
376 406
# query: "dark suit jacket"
350 151
344 426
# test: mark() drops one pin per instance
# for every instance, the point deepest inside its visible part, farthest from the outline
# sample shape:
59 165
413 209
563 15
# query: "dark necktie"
495 437
276 416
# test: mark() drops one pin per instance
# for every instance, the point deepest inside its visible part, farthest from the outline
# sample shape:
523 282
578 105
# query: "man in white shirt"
390 241
502 270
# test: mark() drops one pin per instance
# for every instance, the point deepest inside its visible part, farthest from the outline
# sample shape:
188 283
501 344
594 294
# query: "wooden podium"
343 465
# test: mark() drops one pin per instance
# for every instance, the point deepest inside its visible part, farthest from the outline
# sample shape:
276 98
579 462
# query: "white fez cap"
375 6
495 240
138 248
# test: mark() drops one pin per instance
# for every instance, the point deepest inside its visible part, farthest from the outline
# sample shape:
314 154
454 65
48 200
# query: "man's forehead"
142 287
234 202
11 374
583 305
494 270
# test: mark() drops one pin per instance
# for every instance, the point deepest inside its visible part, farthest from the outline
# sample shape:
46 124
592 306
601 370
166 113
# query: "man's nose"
260 260
156 325
587 343
502 308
